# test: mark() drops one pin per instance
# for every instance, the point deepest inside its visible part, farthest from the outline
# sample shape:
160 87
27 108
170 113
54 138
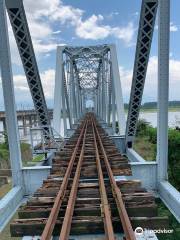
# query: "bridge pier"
4 125
35 120
24 125
30 122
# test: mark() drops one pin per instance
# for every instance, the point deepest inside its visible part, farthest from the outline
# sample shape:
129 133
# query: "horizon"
74 23
22 107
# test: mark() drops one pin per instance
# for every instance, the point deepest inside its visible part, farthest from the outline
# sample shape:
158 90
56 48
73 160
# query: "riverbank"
146 145
154 110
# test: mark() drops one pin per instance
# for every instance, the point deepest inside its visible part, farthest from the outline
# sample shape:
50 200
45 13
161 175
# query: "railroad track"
81 195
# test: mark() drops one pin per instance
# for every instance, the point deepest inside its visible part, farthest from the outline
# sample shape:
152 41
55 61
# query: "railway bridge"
95 185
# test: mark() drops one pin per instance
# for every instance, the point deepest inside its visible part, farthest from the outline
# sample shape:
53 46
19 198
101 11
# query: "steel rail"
66 226
105 210
126 224
49 227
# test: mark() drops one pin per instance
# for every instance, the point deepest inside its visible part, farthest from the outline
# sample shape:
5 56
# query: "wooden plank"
148 210
27 227
138 198
5 172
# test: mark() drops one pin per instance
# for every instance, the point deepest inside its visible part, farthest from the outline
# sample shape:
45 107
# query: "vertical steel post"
71 93
80 102
118 91
84 102
163 88
58 89
77 101
9 99
103 91
64 109
113 109
67 99
99 108
77 92
95 101
98 93
100 101
106 91
109 96
81 97
74 107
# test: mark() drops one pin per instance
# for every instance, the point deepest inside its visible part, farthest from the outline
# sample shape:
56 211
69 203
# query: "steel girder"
109 97
86 60
163 88
83 66
144 39
89 73
9 100
67 99
117 90
59 80
22 35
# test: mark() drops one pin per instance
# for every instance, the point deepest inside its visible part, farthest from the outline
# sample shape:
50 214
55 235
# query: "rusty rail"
66 226
48 230
127 227
106 214
99 150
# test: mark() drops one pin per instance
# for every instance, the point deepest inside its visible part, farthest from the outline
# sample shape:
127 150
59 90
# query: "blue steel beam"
22 35
144 39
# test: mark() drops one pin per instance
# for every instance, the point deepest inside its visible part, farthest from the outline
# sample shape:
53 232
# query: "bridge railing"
45 139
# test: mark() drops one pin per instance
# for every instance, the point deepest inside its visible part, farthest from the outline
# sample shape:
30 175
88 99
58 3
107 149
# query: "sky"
91 22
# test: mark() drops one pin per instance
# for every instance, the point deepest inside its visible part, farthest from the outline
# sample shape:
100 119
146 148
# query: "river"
151 117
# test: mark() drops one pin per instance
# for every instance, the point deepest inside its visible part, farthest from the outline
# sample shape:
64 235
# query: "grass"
145 148
35 160
5 234
173 223
38 158
5 189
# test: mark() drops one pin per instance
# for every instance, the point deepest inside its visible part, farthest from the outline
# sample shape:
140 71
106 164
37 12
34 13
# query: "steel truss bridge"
88 98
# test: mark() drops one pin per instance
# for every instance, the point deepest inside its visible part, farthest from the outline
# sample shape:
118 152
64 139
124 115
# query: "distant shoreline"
170 109
152 110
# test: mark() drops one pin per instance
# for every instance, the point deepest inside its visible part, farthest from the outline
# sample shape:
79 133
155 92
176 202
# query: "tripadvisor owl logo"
139 231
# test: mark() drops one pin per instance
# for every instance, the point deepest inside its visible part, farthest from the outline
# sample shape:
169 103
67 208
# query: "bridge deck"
81 196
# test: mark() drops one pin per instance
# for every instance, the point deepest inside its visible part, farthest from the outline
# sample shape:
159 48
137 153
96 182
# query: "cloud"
41 29
43 16
150 88
47 79
125 33
173 27
22 91
67 14
57 32
15 57
38 9
112 15
93 29
90 29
